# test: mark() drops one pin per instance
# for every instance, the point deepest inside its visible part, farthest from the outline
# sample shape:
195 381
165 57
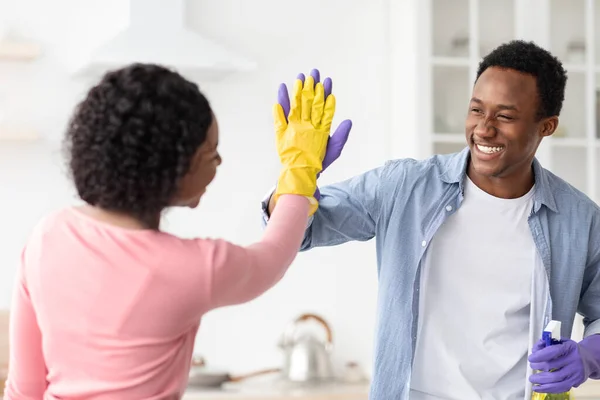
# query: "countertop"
281 391
340 391
589 391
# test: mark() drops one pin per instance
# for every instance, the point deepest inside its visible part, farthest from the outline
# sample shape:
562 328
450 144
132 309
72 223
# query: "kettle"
307 358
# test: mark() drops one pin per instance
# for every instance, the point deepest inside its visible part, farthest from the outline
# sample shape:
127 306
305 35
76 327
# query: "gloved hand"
340 136
566 365
302 139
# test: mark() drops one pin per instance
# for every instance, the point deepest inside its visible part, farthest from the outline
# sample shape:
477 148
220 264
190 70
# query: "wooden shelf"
18 51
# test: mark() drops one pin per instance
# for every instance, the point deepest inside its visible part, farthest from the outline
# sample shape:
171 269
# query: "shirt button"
423 243
448 208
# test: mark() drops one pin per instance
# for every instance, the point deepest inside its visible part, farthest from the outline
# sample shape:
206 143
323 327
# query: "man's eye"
506 117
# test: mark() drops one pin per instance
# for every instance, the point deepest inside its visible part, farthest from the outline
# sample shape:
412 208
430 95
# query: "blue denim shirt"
402 205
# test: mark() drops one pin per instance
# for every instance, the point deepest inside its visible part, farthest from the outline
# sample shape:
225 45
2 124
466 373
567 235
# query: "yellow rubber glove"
302 140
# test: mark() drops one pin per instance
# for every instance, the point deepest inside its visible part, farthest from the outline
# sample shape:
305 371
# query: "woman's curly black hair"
132 138
527 57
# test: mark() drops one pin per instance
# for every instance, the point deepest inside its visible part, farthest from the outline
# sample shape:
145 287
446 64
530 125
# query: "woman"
106 305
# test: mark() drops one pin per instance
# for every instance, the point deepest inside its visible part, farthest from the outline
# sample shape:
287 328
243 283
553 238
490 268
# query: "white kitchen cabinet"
453 35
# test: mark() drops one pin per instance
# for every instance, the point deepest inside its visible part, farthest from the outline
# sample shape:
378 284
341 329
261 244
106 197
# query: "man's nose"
484 128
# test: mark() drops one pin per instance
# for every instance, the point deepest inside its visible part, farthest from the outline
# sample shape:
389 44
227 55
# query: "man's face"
502 128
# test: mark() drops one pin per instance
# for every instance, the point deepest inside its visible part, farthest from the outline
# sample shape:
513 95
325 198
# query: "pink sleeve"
27 369
242 273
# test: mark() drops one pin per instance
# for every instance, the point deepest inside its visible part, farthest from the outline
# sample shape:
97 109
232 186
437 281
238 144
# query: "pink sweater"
102 312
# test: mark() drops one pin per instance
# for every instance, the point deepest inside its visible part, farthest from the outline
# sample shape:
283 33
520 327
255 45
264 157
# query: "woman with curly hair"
106 305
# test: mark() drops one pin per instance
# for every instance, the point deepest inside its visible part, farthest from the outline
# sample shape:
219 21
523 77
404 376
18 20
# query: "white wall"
347 40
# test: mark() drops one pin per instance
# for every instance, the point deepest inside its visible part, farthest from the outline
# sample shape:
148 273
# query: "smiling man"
477 250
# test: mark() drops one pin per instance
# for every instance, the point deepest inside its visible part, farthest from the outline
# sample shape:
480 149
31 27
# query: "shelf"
450 93
13 134
579 68
567 29
491 34
459 138
450 138
571 164
450 27
451 61
568 142
596 194
447 148
574 114
18 51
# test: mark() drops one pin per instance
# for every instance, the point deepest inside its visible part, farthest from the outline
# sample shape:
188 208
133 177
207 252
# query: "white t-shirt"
475 299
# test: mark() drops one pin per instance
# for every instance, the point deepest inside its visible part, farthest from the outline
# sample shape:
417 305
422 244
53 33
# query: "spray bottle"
551 336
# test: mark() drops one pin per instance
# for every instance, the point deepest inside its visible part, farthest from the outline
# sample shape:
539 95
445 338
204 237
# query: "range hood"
157 33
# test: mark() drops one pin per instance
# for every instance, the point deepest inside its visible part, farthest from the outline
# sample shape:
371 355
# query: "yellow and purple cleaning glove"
338 139
302 138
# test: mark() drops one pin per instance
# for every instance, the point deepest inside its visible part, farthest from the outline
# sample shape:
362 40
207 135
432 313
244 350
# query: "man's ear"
548 126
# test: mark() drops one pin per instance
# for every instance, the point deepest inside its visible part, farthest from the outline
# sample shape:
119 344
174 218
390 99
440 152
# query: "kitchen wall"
348 40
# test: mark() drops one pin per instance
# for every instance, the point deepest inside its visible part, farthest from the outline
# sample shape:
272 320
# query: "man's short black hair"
529 58
132 139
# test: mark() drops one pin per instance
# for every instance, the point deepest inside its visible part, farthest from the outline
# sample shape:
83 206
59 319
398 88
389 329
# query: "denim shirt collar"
455 171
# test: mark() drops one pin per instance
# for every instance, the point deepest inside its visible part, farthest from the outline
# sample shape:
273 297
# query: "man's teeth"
488 150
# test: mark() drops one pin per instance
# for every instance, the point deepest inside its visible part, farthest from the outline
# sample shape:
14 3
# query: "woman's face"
202 171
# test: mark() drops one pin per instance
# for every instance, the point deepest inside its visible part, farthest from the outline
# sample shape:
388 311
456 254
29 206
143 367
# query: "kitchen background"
402 71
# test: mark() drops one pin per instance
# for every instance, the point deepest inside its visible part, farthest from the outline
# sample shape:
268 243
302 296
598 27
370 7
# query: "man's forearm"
348 210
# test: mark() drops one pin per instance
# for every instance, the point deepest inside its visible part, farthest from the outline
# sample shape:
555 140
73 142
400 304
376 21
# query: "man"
477 250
